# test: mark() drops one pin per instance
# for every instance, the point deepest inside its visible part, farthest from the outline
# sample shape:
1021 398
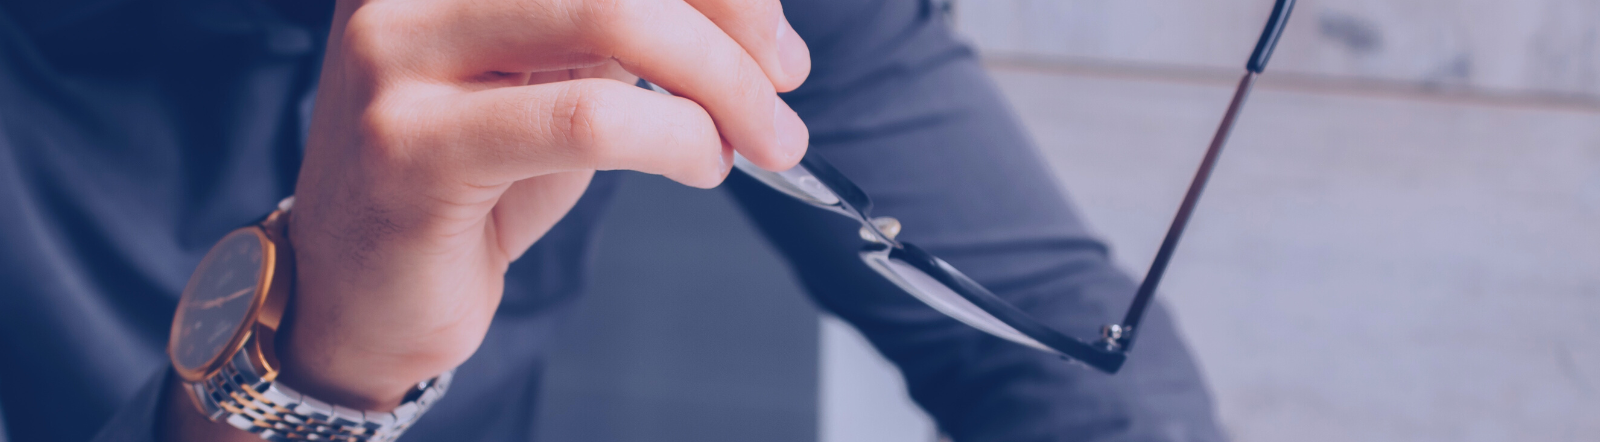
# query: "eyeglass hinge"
1113 336
887 226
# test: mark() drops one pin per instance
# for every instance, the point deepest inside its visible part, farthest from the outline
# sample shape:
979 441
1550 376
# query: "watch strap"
238 395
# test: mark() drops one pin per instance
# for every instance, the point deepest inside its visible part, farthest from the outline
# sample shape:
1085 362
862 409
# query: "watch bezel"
264 316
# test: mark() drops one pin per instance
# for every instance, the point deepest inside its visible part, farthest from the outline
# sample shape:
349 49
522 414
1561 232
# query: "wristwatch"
222 346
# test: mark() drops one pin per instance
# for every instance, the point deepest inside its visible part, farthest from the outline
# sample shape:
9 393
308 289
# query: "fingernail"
792 133
793 55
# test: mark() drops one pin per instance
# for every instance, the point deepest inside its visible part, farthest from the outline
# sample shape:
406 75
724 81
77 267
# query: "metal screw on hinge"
888 225
1112 335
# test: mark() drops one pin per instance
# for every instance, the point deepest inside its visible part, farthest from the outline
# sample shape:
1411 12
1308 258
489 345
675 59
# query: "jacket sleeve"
907 112
137 419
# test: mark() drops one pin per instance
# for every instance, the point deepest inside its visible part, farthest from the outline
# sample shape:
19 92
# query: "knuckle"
751 83
581 119
370 31
385 132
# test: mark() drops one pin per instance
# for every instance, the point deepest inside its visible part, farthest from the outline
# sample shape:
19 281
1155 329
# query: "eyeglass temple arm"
1120 337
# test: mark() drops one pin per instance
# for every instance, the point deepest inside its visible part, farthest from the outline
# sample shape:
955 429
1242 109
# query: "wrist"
338 376
367 322
337 343
225 340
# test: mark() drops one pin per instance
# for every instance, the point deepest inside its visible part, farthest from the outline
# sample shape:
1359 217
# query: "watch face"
218 298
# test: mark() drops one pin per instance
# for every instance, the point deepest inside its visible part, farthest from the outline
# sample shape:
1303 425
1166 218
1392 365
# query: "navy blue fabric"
134 134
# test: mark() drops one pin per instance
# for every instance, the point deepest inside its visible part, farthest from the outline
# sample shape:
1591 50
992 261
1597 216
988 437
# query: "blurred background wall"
1402 242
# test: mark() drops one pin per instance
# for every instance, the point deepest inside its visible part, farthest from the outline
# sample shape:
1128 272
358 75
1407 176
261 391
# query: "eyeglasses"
947 290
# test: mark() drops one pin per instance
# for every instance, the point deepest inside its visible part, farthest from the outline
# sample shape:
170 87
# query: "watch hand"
223 300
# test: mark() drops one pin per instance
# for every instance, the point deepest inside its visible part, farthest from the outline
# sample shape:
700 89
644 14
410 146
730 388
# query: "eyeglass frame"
817 182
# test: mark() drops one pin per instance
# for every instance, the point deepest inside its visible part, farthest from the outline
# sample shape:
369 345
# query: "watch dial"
217 299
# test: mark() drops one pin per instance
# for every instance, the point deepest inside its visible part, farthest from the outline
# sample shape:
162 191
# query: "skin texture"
450 135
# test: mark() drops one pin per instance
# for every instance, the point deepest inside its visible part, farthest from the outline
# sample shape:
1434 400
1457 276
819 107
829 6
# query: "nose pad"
889 226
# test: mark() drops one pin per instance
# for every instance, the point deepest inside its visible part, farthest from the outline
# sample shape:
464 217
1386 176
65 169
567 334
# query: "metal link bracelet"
239 396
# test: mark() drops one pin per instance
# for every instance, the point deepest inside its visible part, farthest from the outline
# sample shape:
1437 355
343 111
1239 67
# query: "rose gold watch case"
257 333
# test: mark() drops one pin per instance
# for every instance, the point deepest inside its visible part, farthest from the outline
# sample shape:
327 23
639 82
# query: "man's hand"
450 135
